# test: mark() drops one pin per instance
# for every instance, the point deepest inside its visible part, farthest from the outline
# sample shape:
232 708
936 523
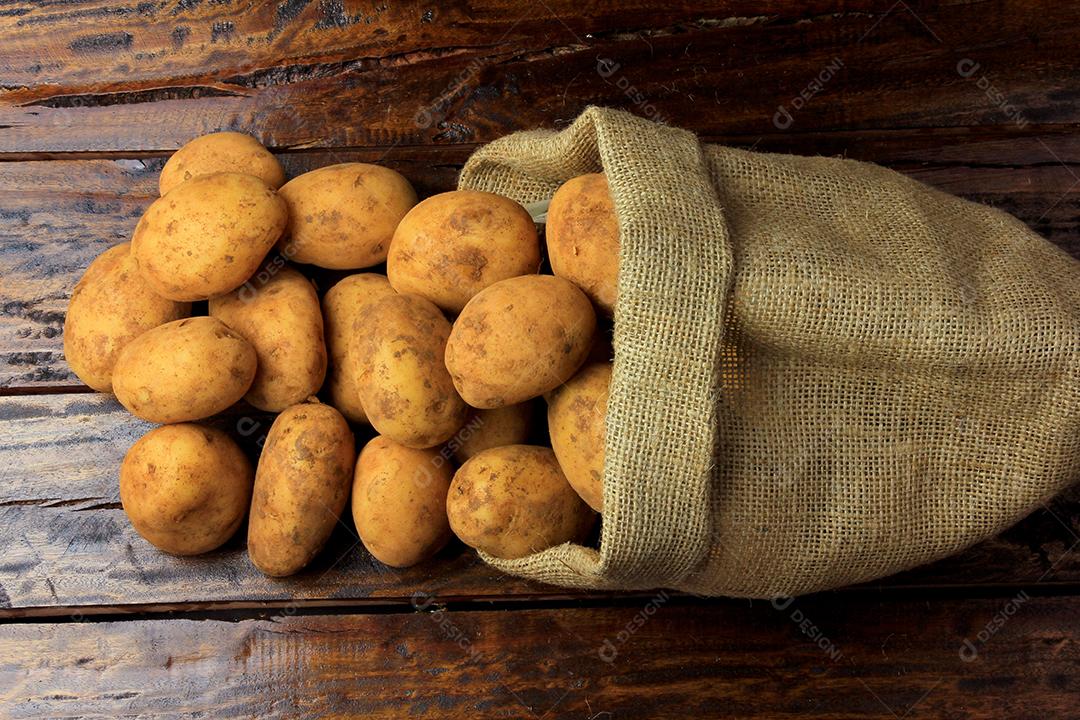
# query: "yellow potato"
404 385
399 502
184 370
342 306
186 488
221 152
518 339
582 235
486 429
207 236
281 318
110 306
452 246
301 486
343 216
513 501
577 413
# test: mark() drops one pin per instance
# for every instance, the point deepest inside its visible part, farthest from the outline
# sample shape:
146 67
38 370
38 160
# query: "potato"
487 429
513 501
282 320
342 306
184 370
399 502
583 238
186 488
518 339
577 413
301 486
221 152
343 216
207 236
404 385
452 246
110 306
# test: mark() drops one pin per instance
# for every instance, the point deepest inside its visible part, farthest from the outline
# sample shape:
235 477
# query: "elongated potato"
282 320
343 216
221 152
399 502
577 414
207 236
186 488
184 370
513 501
110 306
518 339
342 306
486 429
404 385
301 486
582 236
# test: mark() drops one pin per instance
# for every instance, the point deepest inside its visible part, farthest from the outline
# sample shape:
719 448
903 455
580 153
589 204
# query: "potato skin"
208 235
518 339
577 413
343 216
342 306
186 488
513 501
110 306
453 245
486 429
301 486
582 234
399 502
283 321
184 370
221 152
404 385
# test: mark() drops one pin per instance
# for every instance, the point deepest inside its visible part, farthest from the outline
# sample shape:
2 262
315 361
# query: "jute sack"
825 372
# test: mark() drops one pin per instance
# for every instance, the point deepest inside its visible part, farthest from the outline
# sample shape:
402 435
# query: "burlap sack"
825 372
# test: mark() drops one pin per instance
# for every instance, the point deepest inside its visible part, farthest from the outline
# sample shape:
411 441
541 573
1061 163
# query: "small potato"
399 502
452 246
184 370
513 501
110 306
582 235
404 386
207 236
282 320
221 152
518 339
343 216
486 429
577 413
342 306
186 488
301 486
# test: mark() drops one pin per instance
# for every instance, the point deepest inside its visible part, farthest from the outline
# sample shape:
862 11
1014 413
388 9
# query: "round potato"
518 339
208 235
577 413
404 386
282 320
513 501
221 152
301 486
343 216
342 306
110 306
184 370
486 429
186 488
399 502
452 246
583 238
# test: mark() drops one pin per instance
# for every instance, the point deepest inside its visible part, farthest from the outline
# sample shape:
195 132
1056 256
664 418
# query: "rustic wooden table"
980 99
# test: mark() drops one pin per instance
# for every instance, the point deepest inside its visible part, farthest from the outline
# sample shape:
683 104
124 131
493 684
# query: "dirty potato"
221 152
486 429
577 414
582 235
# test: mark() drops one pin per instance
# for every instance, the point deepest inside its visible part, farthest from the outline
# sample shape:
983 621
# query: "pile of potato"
444 354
